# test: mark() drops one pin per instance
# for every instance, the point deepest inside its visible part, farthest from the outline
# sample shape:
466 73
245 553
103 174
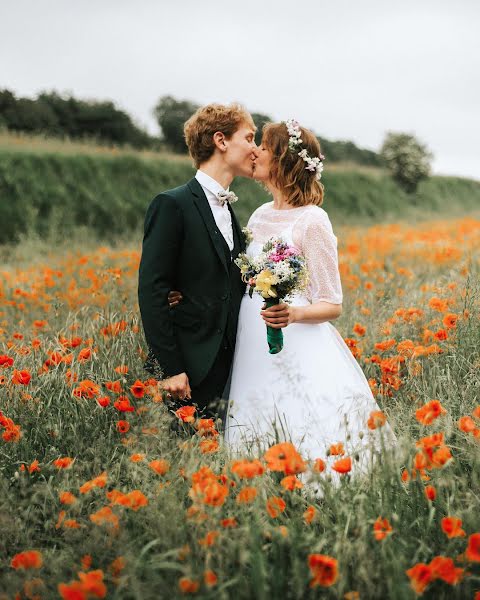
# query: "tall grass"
401 283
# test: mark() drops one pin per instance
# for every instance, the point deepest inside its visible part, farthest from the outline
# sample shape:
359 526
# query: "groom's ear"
219 140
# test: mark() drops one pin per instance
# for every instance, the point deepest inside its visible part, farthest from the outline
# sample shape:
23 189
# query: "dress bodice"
308 228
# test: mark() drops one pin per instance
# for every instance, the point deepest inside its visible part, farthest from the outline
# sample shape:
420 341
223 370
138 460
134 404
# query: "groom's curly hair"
287 169
202 125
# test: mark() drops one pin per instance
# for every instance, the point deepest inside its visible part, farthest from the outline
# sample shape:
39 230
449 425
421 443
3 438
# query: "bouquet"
277 272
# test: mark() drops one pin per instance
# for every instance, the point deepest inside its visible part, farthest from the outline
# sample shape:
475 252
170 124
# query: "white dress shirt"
221 214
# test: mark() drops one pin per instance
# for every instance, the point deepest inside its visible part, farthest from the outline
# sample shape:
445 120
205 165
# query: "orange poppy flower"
324 570
30 559
247 469
84 355
431 441
71 524
438 304
343 465
100 482
229 522
291 482
450 320
385 345
64 462
210 578
122 404
275 506
444 568
466 424
309 514
429 412
117 566
381 528
67 498
22 377
86 561
359 329
206 427
209 539
114 386
452 527
208 446
441 335
214 494
123 426
104 401
319 465
160 466
34 468
336 449
472 552
188 586
376 419
86 389
246 495
137 457
92 583
138 389
6 361
121 369
430 492
441 456
284 457
105 516
420 576
185 413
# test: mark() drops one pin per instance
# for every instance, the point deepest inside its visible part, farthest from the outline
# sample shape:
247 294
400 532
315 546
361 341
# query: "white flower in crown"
295 140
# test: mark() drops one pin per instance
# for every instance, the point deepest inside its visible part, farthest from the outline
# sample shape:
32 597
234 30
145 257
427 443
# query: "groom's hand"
278 315
174 298
178 386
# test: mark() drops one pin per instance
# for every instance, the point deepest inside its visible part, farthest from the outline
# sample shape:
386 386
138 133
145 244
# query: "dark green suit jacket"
183 249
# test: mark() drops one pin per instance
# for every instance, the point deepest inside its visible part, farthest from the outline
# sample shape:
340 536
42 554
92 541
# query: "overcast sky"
347 69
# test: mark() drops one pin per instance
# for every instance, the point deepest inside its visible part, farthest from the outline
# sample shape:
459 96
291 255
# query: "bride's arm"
319 245
281 315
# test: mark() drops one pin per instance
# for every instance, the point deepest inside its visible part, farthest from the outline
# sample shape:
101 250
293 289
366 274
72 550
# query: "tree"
407 159
171 115
260 120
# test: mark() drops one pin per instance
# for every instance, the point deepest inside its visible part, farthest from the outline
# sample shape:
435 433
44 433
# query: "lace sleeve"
319 245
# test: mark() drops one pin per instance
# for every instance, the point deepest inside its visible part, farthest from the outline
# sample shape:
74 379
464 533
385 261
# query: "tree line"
57 115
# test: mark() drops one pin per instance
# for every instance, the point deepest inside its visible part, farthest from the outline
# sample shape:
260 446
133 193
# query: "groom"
191 238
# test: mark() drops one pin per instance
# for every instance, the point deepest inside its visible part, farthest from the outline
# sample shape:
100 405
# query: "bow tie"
226 197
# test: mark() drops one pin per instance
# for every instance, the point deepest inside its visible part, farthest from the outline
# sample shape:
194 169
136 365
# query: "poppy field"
106 492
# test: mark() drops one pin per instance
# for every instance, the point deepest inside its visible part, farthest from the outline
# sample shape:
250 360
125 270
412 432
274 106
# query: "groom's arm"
163 233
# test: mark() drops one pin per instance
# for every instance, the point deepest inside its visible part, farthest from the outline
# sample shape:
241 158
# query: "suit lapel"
205 211
237 232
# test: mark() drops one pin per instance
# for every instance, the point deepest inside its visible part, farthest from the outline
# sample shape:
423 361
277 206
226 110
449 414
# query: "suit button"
219 330
224 296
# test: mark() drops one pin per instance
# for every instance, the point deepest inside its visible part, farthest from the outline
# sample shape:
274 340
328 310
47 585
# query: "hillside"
58 189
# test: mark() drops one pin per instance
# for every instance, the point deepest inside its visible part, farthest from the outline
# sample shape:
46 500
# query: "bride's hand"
279 315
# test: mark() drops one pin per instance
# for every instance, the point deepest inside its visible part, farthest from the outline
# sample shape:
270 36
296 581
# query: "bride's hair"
201 127
287 169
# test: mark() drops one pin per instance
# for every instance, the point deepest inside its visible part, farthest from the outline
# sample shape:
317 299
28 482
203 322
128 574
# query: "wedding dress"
312 393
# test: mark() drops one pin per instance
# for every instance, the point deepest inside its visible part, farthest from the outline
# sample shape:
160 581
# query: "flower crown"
295 142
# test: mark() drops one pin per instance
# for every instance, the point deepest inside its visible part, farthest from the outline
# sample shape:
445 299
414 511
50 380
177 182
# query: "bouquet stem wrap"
274 336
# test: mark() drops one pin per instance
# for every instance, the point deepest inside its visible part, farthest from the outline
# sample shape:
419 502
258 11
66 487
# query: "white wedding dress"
312 393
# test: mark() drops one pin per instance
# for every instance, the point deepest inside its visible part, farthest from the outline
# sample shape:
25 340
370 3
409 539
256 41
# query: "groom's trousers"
208 394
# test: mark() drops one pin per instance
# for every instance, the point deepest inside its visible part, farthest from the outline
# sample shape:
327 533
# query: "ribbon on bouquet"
274 336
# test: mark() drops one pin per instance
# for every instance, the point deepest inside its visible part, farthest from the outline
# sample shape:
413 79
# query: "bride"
312 393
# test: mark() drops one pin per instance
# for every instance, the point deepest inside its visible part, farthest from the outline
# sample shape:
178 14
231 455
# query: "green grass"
80 289
57 190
